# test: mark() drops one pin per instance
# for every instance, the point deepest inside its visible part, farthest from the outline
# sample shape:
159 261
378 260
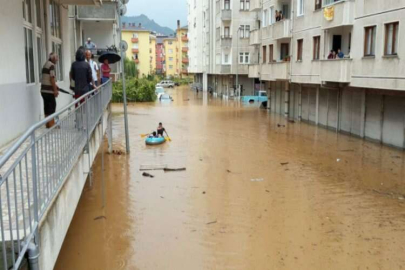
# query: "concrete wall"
56 221
102 33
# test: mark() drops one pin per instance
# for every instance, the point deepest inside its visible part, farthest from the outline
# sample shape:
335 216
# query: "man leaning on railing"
49 89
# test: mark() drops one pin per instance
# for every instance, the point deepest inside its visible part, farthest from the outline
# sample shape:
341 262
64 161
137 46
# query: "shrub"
138 90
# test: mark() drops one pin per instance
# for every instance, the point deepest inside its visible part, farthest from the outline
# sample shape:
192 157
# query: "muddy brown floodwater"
258 193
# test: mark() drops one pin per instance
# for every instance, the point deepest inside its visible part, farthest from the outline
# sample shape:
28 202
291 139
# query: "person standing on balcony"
49 89
340 54
105 69
81 74
90 45
95 70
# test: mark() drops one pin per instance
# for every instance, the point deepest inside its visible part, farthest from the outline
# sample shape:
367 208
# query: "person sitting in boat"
160 130
153 135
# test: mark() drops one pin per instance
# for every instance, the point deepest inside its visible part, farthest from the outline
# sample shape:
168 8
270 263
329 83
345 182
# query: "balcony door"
337 42
284 51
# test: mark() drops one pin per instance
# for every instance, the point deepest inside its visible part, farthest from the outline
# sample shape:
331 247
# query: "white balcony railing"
255 5
276 71
281 29
343 14
255 37
336 70
254 71
226 15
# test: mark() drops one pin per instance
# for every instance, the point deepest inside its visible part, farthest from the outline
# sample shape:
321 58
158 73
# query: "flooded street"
259 192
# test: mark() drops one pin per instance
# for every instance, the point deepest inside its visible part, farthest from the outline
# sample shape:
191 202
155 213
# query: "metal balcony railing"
36 166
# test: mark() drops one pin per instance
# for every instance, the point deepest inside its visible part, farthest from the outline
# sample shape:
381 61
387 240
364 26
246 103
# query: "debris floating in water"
257 180
152 167
212 222
284 163
174 169
100 217
147 175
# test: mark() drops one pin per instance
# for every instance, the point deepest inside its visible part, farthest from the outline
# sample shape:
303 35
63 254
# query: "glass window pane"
373 40
38 12
390 32
27 74
396 39
28 10
51 18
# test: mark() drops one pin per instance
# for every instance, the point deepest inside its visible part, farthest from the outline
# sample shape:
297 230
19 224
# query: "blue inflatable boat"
155 141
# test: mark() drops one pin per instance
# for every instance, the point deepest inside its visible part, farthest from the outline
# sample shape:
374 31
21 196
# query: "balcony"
135 50
255 5
281 29
105 12
184 38
255 37
184 71
254 71
342 14
276 71
336 70
226 15
224 69
185 60
184 49
226 41
134 40
136 61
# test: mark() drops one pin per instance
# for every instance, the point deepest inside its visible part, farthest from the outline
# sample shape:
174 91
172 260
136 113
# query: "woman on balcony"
105 69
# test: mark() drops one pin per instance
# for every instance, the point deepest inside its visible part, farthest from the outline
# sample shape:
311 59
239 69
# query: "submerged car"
159 90
167 83
165 97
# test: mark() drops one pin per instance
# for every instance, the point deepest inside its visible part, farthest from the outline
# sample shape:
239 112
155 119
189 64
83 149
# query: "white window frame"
271 15
56 41
244 56
28 27
300 8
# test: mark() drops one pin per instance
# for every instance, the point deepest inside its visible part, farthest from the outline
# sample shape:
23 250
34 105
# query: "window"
227 4
227 32
265 17
318 4
170 50
244 58
299 49
56 36
300 7
244 4
369 40
264 54
170 66
271 15
329 2
284 51
391 38
28 42
226 58
170 58
170 42
317 42
244 31
271 52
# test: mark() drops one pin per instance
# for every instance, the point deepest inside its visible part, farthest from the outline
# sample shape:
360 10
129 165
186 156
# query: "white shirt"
94 68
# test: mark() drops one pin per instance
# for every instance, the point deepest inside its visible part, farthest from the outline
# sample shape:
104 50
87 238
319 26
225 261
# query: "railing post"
35 185
86 103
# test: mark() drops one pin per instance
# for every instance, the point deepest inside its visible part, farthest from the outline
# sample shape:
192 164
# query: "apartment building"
141 47
219 47
160 55
361 91
30 31
170 55
182 50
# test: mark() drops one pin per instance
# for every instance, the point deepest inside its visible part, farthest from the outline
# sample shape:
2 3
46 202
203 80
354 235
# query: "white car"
167 83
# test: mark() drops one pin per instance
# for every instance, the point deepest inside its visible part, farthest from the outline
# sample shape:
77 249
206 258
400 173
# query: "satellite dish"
123 45
124 2
123 10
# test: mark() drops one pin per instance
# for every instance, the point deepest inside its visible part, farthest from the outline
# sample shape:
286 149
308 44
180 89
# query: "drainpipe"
33 256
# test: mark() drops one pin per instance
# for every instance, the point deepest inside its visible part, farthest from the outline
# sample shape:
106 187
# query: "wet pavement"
259 192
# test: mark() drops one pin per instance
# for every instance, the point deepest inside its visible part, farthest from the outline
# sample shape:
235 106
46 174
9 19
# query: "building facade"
182 50
30 31
141 48
170 55
160 55
219 48
359 92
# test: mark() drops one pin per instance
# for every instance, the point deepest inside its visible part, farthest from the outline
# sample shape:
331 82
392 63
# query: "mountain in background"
148 24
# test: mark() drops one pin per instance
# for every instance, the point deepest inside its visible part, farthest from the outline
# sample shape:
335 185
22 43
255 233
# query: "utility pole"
237 60
124 89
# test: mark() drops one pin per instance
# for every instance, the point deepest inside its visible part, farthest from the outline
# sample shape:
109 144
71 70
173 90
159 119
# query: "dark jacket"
81 74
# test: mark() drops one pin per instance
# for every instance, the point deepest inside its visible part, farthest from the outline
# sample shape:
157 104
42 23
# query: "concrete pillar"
205 82
300 103
317 106
286 99
363 113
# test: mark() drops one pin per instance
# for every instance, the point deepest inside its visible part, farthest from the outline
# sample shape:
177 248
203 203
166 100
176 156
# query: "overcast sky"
164 12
